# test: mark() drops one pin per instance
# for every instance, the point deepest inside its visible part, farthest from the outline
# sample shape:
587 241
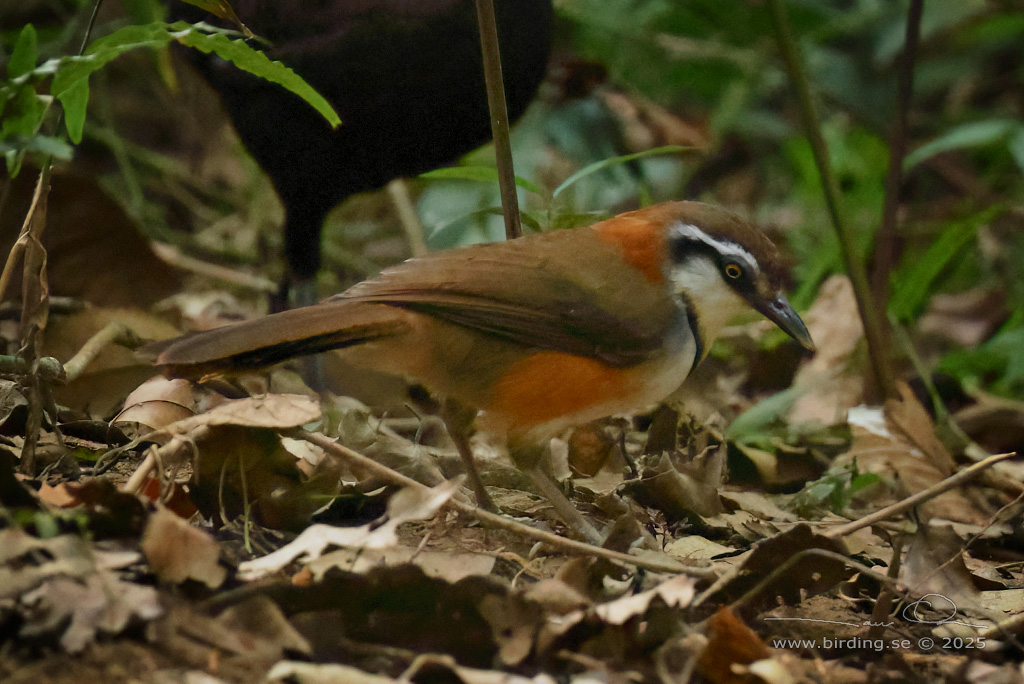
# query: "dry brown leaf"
407 504
272 411
731 646
934 564
58 496
178 551
907 418
695 547
891 448
263 628
99 603
760 505
682 490
96 252
245 470
514 624
59 587
675 592
834 323
809 575
157 403
964 318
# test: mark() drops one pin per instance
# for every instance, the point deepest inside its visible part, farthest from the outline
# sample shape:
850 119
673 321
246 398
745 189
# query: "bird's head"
720 264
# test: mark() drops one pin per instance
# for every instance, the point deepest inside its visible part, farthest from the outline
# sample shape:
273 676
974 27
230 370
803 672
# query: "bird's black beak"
780 312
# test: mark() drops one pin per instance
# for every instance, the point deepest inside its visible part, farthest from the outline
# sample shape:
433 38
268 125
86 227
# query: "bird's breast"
545 392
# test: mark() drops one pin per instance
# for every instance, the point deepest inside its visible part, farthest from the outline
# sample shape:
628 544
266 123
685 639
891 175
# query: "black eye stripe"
690 241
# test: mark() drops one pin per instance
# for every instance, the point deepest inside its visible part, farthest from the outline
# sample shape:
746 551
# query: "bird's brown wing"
565 291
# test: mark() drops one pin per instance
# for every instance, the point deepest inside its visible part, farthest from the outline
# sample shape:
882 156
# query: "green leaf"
25 54
482 174
451 233
1016 147
71 70
612 161
974 134
75 100
753 421
222 9
239 53
23 114
911 291
863 480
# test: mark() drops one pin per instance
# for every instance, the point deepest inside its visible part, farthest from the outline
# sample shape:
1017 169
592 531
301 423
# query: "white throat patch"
697 281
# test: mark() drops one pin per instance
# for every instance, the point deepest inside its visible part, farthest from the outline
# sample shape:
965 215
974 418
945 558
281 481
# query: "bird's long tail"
263 342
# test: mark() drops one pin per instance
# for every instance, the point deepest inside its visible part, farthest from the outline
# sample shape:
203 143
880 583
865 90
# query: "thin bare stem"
499 116
949 483
885 238
874 332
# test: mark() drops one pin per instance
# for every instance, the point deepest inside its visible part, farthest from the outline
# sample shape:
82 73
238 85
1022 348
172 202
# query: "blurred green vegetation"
713 66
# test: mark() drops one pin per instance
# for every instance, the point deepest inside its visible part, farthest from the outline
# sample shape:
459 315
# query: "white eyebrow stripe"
692 232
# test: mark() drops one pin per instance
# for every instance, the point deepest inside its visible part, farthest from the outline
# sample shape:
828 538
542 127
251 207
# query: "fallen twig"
175 257
949 483
112 333
494 520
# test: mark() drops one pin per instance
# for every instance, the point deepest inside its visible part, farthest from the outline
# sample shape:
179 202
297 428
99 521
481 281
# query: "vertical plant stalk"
874 332
886 238
499 116
35 291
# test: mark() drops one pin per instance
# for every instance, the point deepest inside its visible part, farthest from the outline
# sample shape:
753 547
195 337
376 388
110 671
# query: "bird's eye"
733 271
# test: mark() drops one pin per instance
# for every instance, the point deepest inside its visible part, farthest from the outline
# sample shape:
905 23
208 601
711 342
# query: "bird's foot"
565 509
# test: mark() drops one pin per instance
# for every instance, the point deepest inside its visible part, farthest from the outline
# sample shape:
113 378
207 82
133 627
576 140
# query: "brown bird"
537 334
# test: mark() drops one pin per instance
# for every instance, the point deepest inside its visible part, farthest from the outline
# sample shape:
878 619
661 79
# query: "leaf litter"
732 555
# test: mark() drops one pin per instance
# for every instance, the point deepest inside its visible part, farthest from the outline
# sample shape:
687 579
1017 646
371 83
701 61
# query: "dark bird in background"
405 76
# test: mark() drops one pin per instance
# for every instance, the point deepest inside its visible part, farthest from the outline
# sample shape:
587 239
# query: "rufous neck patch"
642 243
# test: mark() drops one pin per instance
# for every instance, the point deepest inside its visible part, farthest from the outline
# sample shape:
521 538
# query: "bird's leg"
458 420
529 458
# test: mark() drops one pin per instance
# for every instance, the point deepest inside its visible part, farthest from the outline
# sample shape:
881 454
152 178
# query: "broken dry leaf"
676 592
178 551
57 588
834 323
682 490
731 646
407 504
157 403
881 448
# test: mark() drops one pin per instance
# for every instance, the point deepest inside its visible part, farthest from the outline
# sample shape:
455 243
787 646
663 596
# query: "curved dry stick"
498 521
950 482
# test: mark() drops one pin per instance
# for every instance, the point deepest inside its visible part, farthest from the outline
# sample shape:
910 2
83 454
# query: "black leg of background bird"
406 79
